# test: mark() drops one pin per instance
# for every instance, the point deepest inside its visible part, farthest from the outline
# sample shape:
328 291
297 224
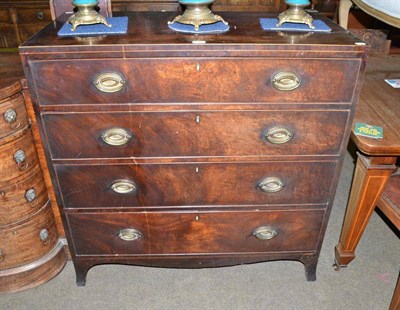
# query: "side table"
378 105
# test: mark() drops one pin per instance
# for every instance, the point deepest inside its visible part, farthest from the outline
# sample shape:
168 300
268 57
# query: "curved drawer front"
195 184
156 134
28 241
13 115
195 233
18 156
188 80
20 200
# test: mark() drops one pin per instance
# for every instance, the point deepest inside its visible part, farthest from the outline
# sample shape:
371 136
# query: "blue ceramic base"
119 25
218 27
271 24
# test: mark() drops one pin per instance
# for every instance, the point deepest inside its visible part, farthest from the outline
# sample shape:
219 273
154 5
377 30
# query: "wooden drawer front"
155 134
13 115
20 200
194 184
26 242
18 156
32 16
194 80
194 233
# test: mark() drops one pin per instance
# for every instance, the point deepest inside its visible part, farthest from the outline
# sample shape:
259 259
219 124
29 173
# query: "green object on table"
370 131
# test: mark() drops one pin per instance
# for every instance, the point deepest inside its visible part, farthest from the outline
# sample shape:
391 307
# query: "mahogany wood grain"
20 242
188 80
195 184
210 133
14 205
194 233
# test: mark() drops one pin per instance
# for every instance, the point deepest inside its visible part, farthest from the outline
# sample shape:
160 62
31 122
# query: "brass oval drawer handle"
20 159
1 256
44 236
264 233
123 186
10 117
286 81
271 185
129 234
109 82
30 196
116 136
278 135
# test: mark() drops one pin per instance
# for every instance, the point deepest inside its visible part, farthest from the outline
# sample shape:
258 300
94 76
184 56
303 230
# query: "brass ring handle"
271 185
20 159
44 236
264 233
30 196
10 117
1 256
129 234
286 81
278 135
109 82
123 186
116 136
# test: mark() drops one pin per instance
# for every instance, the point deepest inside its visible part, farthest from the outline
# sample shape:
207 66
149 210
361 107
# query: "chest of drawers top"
148 35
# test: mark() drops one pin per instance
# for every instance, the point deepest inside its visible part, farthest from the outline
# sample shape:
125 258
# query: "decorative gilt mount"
197 13
296 13
87 15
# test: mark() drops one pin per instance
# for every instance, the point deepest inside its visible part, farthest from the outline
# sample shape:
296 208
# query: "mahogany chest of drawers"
194 151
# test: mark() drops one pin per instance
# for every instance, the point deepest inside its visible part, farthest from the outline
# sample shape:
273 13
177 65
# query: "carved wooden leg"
369 180
344 9
81 271
310 266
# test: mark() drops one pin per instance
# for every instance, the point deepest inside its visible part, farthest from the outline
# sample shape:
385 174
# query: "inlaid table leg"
370 177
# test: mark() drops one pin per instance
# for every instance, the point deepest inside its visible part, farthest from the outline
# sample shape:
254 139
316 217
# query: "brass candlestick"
197 13
295 14
87 15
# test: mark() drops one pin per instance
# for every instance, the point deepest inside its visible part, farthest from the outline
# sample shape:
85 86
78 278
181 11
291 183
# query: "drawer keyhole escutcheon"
20 159
110 82
278 135
271 185
129 234
1 256
286 81
10 116
264 233
123 186
116 136
30 196
44 236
